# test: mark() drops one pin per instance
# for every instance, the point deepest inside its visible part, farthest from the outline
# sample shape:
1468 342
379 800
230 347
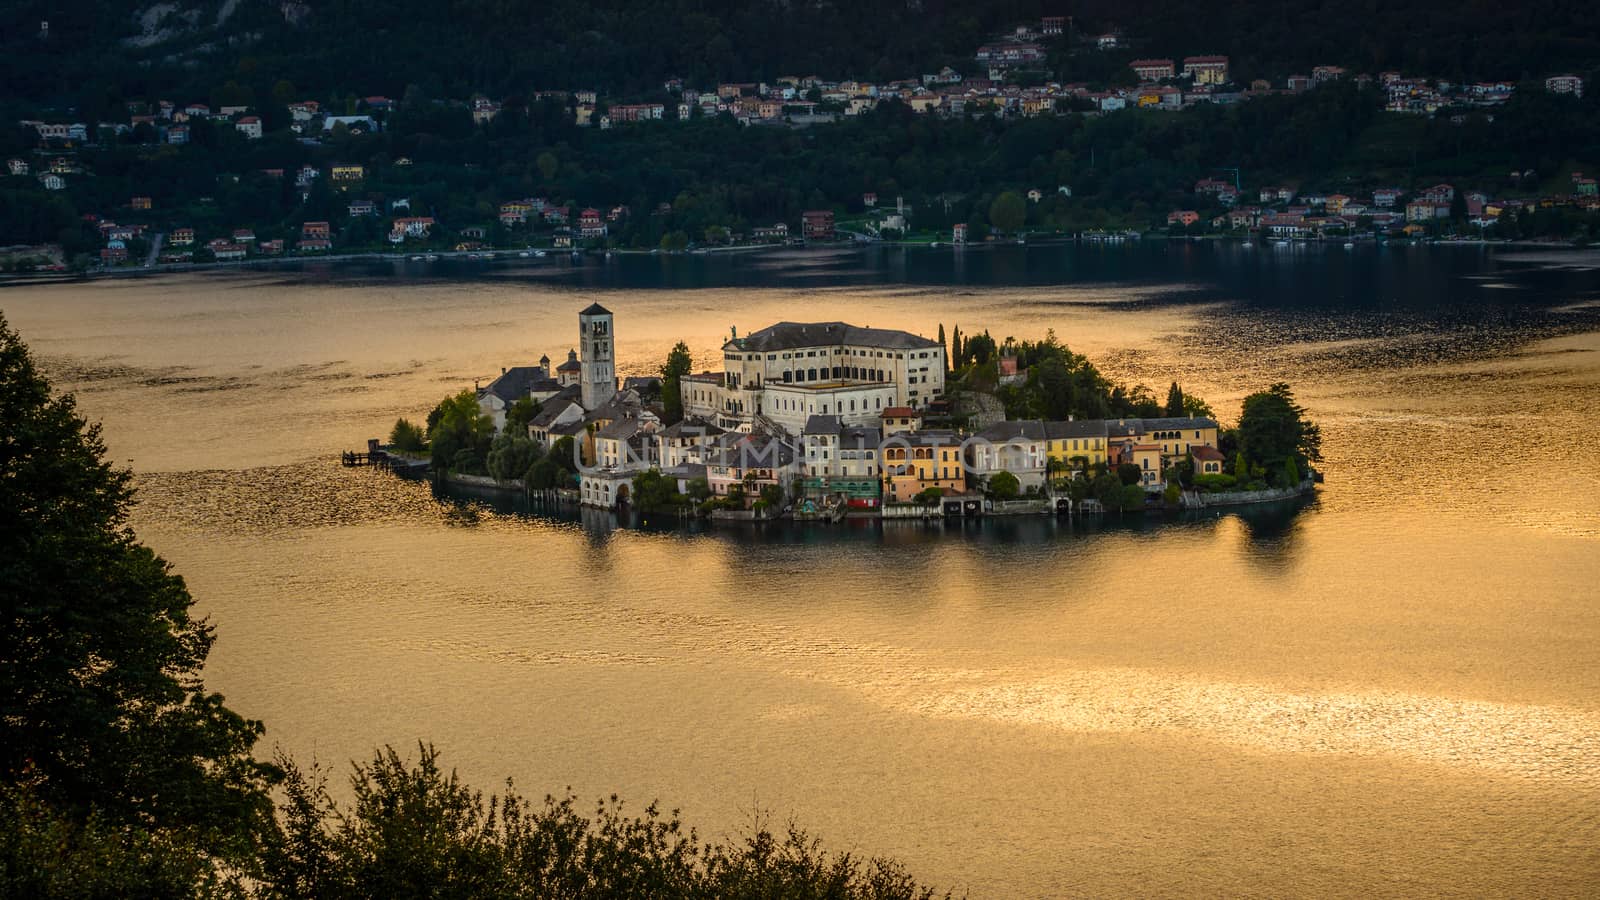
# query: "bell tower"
598 383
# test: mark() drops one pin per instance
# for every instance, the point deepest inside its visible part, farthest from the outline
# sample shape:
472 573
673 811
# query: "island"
829 420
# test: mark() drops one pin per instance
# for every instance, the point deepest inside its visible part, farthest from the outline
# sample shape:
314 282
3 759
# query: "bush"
1132 497
1003 485
772 495
1213 483
655 492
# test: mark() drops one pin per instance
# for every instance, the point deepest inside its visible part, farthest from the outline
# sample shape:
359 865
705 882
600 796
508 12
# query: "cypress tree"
1174 401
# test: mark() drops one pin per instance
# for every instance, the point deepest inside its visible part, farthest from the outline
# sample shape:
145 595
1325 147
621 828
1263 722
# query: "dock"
378 456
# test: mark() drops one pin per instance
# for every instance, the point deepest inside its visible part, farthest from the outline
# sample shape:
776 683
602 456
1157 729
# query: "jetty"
378 456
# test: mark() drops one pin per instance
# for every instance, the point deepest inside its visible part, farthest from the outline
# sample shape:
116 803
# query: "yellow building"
1076 445
344 172
1147 457
915 462
1207 460
1173 436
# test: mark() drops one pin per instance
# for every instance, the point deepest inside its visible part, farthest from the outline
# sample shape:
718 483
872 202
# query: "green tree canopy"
655 492
102 705
458 426
1004 486
510 456
407 437
1009 212
1273 428
520 414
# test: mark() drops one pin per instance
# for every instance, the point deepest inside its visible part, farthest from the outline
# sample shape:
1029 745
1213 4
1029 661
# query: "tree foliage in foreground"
414 829
103 711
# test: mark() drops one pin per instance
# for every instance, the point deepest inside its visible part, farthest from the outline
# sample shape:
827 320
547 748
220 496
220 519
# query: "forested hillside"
1463 40
496 46
98 50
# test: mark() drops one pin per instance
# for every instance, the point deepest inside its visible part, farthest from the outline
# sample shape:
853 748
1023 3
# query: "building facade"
791 371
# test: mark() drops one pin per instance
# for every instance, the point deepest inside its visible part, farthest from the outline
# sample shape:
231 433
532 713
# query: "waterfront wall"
1237 498
483 481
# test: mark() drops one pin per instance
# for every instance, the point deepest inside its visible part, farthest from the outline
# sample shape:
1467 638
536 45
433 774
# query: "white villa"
782 375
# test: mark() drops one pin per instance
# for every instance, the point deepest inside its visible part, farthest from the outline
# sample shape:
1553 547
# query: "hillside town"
830 419
1008 80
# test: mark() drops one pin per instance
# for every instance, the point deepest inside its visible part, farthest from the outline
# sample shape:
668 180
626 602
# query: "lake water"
1393 690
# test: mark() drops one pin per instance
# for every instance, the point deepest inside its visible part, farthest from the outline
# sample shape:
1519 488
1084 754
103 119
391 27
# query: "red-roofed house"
900 418
1206 69
817 224
1153 69
590 224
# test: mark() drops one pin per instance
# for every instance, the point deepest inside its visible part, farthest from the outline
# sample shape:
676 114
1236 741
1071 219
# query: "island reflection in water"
1267 526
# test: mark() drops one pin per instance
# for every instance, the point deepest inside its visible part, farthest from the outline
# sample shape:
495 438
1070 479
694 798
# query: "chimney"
502 370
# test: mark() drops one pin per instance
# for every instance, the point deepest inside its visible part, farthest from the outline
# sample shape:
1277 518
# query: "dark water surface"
1393 689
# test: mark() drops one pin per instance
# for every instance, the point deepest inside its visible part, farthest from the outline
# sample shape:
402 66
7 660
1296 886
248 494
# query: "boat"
524 255
538 254
1349 246
431 257
416 259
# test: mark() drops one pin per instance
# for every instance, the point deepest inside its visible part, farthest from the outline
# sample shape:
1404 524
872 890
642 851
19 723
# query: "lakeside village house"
838 409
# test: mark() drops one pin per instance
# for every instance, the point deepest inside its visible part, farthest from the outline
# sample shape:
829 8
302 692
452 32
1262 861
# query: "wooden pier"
377 456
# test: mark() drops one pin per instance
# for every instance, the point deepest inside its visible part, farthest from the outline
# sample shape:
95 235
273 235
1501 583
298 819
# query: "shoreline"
1521 251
